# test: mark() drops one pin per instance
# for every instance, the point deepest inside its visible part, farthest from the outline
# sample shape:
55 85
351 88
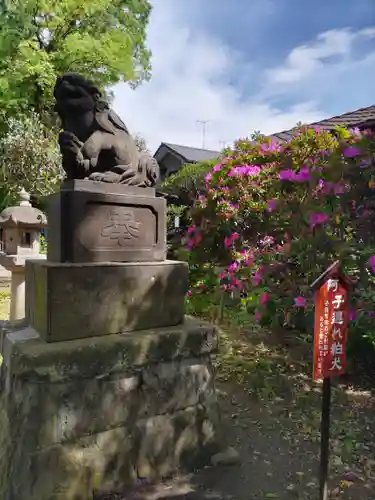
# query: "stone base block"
69 301
98 222
96 415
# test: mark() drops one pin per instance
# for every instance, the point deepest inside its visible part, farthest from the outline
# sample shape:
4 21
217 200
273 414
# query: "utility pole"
203 123
222 144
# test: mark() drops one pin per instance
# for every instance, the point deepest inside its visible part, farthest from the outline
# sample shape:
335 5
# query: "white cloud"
191 81
306 60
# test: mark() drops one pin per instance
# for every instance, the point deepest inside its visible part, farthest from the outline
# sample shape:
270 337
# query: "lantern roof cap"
23 215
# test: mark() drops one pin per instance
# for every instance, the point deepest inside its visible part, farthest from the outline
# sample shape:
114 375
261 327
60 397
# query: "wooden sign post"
330 340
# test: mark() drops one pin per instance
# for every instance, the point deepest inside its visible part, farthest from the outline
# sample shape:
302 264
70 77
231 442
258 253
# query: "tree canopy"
141 143
29 158
40 39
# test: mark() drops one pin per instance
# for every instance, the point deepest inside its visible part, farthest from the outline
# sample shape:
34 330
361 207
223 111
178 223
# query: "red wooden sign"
331 323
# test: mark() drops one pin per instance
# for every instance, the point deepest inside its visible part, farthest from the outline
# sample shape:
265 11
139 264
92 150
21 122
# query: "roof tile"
193 154
358 118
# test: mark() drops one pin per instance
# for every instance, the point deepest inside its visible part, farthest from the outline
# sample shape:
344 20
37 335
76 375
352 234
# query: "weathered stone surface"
31 358
111 460
53 413
94 142
5 447
96 414
68 301
168 387
166 443
73 471
97 222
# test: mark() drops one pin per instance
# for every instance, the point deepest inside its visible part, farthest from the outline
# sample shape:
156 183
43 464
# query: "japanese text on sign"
330 335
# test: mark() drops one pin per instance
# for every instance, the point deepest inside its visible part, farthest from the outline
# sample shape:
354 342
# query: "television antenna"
203 123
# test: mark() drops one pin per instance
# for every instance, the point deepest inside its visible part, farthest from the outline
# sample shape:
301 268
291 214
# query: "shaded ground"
271 412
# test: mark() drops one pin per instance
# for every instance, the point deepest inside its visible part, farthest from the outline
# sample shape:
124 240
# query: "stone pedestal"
95 415
16 265
96 222
68 301
108 383
17 291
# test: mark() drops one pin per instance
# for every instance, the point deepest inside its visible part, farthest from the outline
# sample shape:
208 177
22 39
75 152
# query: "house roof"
362 118
187 153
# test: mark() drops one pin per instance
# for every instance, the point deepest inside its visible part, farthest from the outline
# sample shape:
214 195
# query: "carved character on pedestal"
95 144
121 227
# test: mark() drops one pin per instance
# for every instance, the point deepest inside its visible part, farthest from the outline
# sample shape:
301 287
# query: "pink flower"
303 175
208 177
217 168
189 293
286 175
372 263
228 240
352 315
267 241
271 205
272 146
264 298
300 302
197 239
317 219
257 278
290 175
244 170
193 241
330 187
352 152
190 244
258 315
233 267
191 229
247 257
355 131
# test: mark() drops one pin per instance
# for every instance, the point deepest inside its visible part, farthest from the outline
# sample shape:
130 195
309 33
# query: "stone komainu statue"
95 144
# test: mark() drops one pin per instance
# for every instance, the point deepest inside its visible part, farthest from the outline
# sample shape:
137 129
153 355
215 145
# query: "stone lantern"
21 227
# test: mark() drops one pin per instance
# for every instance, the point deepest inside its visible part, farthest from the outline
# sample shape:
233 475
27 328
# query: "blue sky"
248 65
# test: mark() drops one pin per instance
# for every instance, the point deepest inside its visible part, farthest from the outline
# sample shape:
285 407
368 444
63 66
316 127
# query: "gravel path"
271 412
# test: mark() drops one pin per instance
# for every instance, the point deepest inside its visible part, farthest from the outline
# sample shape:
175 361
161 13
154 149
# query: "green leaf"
102 39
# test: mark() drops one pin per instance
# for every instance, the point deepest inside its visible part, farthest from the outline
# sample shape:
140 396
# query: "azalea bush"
273 216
